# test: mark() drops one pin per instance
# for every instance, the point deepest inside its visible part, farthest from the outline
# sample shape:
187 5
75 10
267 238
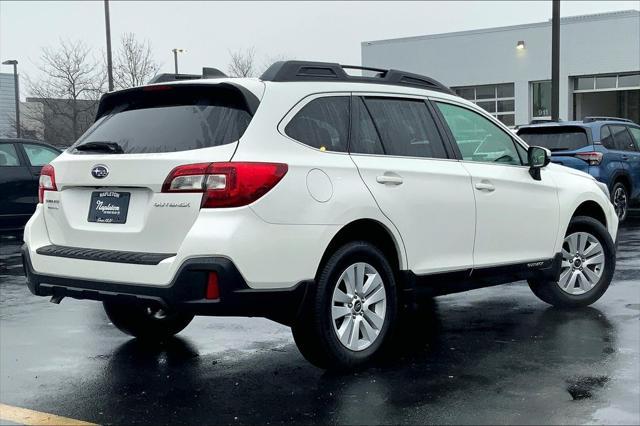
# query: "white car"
319 199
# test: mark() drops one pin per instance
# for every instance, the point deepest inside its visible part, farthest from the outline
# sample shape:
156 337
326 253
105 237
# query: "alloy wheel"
358 306
583 263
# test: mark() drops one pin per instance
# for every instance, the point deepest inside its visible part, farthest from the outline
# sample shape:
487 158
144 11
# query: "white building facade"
507 70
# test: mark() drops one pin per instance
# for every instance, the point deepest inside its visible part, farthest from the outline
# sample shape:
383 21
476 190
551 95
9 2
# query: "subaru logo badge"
99 171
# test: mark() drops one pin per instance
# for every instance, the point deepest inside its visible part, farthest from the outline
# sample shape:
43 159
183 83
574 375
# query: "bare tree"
69 92
134 63
243 63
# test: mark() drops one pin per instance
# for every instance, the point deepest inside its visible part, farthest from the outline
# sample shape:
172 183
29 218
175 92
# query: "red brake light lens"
230 184
47 181
594 158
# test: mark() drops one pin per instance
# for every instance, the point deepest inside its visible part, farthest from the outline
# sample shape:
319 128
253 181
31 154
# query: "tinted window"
635 132
606 138
555 139
406 127
323 123
8 155
172 119
365 138
622 138
39 155
478 138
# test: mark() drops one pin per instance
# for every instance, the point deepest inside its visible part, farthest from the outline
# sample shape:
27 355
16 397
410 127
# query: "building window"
496 99
592 83
541 99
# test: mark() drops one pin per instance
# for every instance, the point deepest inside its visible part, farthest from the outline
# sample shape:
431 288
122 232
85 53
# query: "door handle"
625 157
484 186
391 180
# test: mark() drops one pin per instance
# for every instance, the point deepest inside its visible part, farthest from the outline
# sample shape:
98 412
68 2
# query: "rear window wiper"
101 146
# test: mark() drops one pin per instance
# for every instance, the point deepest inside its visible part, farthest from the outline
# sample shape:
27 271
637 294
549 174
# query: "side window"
365 138
323 124
406 127
8 155
605 138
39 155
622 138
635 132
478 138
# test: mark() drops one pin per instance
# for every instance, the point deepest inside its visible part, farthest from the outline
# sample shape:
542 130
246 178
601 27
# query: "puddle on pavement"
584 387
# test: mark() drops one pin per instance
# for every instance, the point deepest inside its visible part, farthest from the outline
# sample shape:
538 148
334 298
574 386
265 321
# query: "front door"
516 216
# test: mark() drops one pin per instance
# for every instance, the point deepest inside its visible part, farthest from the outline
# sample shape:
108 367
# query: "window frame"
290 115
478 110
495 99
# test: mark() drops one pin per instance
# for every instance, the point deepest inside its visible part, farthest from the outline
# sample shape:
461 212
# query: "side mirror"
538 158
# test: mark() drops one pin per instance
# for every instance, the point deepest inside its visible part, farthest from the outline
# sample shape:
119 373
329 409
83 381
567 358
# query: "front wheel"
349 315
588 264
146 322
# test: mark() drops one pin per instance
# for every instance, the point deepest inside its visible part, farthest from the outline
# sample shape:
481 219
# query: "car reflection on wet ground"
495 355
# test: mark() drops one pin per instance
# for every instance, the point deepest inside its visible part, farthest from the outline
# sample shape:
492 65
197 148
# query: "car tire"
317 329
146 322
584 289
620 200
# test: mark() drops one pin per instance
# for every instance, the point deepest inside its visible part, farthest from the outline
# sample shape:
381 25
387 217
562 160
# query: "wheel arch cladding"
371 231
591 209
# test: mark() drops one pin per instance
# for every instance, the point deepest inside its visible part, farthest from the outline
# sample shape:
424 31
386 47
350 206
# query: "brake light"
231 184
594 158
47 181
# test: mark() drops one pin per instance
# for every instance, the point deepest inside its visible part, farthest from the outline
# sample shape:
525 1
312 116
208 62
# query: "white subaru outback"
316 198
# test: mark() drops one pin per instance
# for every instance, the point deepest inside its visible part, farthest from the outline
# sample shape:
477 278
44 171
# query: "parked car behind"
607 148
20 164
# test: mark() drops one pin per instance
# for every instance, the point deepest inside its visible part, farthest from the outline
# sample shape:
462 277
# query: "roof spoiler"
206 73
327 71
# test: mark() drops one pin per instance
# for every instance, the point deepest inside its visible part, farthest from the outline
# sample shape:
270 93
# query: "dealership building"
507 70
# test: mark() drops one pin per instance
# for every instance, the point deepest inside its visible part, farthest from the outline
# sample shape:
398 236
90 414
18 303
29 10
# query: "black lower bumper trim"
115 256
186 292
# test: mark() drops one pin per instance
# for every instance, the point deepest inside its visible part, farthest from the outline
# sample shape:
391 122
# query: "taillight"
47 181
231 184
594 158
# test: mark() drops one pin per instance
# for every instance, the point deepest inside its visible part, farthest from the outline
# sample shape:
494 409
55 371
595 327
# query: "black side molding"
114 256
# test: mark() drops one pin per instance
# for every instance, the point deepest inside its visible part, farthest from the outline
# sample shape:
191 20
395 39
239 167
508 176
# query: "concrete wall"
7 105
590 44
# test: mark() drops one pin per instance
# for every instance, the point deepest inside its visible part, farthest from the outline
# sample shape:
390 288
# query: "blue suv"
607 148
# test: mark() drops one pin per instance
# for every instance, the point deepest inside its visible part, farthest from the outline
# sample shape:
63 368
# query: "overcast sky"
327 31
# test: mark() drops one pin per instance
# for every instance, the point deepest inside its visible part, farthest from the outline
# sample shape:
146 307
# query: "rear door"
629 154
18 198
120 164
402 159
516 216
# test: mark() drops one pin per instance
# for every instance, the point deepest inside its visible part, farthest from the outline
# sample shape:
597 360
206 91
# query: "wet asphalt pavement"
495 355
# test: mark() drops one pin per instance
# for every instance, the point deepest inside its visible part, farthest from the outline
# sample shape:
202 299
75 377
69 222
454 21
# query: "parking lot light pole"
107 24
555 61
175 57
17 93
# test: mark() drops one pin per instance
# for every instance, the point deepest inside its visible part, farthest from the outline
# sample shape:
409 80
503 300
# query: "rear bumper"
186 292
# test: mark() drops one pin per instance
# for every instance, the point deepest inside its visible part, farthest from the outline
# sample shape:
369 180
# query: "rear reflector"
213 292
594 158
230 184
47 181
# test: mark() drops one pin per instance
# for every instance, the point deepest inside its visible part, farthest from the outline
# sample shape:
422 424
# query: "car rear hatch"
109 185
570 146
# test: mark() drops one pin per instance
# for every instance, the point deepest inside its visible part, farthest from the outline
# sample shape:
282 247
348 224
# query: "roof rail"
327 71
591 119
206 73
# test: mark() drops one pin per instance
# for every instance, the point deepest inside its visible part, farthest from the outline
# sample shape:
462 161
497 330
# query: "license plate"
109 207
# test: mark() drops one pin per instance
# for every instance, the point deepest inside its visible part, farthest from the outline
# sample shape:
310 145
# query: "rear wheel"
588 263
349 314
620 200
146 321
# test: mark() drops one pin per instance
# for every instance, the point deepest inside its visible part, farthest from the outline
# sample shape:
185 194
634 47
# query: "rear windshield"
169 118
555 139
